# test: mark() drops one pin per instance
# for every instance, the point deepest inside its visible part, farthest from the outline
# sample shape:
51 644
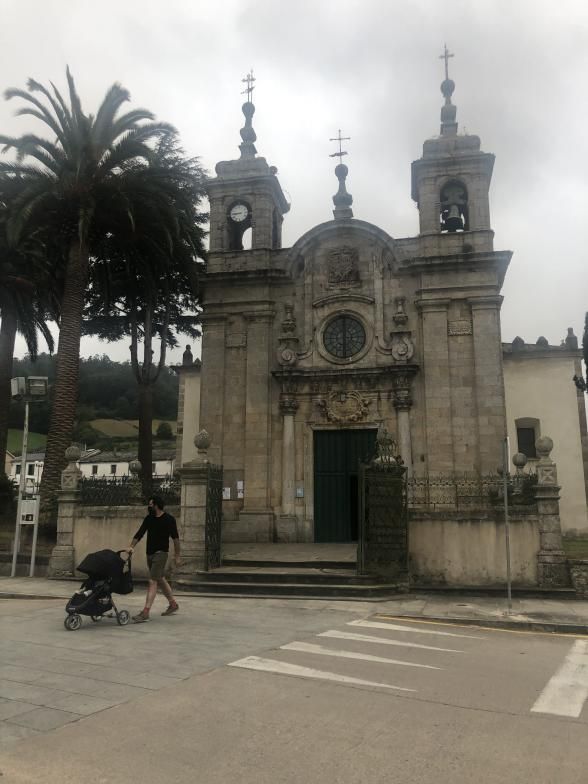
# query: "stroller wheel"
96 618
123 617
72 622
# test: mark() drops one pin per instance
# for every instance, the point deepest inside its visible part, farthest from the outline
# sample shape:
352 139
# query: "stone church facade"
307 351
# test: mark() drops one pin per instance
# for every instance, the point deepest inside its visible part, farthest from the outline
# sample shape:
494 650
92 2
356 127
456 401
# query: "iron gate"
383 514
214 501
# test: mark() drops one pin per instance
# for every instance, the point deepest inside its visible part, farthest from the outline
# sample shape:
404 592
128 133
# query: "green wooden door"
337 454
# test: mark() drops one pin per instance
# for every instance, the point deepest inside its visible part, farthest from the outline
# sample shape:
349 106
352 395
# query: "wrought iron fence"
126 490
469 492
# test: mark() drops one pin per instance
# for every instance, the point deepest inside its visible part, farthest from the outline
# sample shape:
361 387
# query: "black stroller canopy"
102 565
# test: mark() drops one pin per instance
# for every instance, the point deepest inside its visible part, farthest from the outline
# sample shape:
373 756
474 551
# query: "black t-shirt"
159 531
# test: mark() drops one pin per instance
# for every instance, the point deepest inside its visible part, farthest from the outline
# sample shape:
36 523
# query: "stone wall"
112 528
579 577
459 549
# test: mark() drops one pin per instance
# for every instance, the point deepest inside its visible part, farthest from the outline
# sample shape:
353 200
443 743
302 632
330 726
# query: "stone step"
314 576
261 563
295 590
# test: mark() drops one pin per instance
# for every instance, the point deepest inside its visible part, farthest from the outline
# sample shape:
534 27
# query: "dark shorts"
157 563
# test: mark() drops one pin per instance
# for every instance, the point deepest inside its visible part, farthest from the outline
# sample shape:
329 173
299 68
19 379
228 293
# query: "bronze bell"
453 220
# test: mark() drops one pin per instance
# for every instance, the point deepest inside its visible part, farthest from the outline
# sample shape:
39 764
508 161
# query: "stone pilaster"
286 525
489 381
403 404
552 568
213 380
437 385
256 511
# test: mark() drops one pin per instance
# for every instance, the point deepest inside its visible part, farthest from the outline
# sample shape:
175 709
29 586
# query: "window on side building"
528 431
94 470
113 469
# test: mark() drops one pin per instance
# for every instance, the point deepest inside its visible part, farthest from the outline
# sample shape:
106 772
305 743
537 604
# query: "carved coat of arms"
344 407
343 266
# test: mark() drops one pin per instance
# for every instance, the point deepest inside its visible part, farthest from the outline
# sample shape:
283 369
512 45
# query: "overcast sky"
369 67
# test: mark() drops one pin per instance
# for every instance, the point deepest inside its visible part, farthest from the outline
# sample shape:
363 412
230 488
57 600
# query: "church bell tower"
451 182
245 195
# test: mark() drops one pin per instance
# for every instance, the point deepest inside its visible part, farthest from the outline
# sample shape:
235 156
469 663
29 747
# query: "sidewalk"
552 615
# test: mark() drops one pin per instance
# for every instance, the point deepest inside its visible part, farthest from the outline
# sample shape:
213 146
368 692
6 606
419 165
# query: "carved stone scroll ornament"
402 347
287 354
343 266
344 407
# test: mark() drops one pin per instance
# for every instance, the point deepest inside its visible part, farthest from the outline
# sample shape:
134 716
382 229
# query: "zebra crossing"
361 646
428 661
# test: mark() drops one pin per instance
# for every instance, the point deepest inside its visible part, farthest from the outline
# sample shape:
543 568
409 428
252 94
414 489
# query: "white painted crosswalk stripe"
382 641
321 650
285 668
567 690
414 630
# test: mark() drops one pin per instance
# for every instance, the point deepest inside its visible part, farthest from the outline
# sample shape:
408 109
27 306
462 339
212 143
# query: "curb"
496 623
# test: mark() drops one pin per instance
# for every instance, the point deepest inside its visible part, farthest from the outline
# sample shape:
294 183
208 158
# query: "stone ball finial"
135 467
73 453
519 460
202 440
544 445
447 88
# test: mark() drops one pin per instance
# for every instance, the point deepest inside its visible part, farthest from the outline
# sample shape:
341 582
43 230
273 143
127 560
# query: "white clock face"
239 212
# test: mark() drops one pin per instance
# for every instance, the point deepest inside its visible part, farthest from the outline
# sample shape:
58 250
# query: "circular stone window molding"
329 323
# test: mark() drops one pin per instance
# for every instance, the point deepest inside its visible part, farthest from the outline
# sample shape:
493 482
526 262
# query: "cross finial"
249 79
445 56
339 139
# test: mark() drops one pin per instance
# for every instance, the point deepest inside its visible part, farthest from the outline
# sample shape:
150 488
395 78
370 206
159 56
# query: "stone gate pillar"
61 561
192 528
552 570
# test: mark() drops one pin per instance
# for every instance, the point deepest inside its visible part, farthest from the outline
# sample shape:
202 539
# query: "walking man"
160 527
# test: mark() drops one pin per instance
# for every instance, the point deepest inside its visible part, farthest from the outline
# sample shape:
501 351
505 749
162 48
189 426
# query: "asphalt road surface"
257 691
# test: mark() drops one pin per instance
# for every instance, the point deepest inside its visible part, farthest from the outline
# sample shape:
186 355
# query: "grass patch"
36 441
124 428
575 547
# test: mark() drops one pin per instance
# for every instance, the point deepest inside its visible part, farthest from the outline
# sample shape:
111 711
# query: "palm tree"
79 185
26 298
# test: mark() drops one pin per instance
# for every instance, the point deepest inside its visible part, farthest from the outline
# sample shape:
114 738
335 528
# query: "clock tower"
246 194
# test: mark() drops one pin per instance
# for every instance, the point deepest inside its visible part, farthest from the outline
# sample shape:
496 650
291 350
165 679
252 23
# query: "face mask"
151 510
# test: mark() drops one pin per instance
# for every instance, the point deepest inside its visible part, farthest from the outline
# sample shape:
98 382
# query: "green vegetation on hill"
107 392
36 441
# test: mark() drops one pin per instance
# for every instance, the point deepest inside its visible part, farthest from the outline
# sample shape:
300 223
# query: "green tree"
164 431
152 284
84 182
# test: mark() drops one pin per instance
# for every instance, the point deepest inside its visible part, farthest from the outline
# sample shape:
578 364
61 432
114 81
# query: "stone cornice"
302 375
259 315
488 302
432 305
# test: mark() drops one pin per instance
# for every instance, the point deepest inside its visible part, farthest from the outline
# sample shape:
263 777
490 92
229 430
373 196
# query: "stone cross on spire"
448 111
339 139
249 79
445 56
342 200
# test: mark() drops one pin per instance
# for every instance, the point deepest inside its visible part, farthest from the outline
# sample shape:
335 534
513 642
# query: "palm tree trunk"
7 338
65 392
146 436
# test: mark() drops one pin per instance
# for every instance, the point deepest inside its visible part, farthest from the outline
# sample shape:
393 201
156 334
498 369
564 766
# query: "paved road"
257 691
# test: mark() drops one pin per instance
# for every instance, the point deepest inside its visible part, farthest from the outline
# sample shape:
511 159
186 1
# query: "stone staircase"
295 571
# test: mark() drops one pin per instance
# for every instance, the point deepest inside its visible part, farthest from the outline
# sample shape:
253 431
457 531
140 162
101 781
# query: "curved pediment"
360 231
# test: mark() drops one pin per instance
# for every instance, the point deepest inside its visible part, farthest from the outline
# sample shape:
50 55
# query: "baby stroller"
108 572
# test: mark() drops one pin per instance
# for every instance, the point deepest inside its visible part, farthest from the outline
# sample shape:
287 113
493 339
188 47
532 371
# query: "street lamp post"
30 390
